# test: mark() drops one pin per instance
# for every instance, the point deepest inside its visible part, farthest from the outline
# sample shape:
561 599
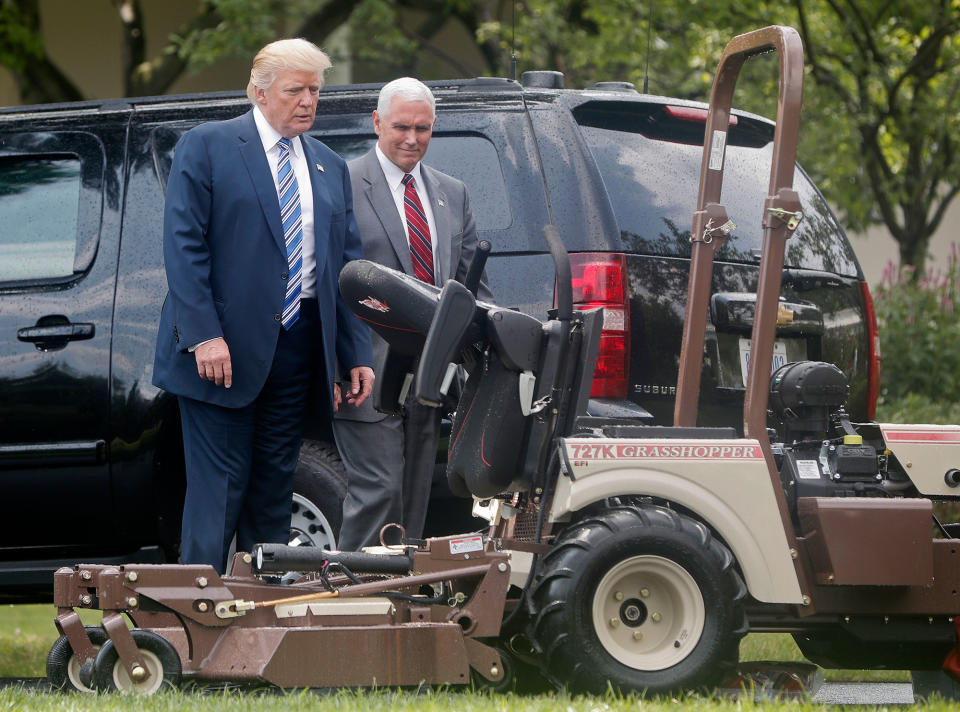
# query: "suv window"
448 153
651 178
39 207
468 157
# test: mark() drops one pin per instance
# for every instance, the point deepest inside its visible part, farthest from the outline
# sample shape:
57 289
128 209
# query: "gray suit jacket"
384 238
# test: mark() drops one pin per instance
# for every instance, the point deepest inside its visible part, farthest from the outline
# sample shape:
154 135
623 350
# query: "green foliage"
916 408
379 19
245 26
19 41
881 101
882 97
919 325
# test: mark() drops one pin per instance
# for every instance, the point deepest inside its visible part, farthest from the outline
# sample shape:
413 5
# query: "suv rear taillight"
600 280
873 336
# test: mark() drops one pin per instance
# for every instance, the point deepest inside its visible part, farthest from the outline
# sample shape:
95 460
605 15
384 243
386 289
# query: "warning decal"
466 545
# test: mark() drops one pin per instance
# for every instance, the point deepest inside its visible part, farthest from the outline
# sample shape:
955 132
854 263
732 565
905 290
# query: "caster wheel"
64 671
161 658
504 684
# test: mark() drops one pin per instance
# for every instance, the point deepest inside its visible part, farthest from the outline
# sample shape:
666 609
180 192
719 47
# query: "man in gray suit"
418 220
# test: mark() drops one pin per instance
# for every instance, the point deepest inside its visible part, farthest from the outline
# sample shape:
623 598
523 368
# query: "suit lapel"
441 216
322 208
381 200
255 160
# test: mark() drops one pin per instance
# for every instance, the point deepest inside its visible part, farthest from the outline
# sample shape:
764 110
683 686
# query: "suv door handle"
53 332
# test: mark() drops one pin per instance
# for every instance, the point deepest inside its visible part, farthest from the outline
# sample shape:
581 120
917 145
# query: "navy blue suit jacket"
226 261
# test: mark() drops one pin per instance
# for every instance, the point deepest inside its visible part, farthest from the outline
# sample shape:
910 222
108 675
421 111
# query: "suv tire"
319 486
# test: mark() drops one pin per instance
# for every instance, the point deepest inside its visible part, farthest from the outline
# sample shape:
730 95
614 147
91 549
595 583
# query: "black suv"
90 451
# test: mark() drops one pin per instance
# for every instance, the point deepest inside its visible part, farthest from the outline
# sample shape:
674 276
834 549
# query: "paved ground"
865 693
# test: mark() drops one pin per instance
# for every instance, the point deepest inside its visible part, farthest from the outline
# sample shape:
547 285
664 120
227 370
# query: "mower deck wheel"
63 666
161 658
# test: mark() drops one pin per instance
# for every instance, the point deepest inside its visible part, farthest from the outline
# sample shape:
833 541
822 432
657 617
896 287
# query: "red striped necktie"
421 250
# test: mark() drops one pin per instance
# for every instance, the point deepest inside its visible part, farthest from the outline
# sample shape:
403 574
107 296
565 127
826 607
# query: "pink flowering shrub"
920 335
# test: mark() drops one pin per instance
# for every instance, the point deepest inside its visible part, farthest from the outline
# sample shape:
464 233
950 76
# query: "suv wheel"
319 486
641 597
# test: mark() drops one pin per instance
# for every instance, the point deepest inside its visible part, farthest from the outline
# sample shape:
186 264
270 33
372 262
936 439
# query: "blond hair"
296 54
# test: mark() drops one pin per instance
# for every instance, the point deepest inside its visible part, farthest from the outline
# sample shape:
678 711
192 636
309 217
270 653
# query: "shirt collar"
393 173
269 136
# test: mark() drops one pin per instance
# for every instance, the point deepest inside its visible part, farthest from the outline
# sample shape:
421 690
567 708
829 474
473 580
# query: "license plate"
779 357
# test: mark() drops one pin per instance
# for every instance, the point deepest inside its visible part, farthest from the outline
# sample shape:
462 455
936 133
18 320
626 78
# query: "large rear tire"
639 598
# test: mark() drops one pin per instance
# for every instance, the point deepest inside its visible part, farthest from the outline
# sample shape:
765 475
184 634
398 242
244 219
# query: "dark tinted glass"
653 186
472 159
39 203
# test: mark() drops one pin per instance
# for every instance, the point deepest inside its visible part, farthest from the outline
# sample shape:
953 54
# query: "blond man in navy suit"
258 222
390 459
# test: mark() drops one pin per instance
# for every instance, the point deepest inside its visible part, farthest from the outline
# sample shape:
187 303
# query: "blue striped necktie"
292 233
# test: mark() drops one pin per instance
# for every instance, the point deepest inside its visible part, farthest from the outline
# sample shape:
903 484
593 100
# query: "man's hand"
361 384
337 398
213 362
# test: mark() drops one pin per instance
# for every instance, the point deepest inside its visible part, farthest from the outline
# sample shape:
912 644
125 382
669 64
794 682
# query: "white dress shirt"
394 176
270 138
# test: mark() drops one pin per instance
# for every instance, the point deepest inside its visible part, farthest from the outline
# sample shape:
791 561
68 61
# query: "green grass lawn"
27 632
384 701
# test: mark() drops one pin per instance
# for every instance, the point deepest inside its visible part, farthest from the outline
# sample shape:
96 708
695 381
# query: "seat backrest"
489 427
494 447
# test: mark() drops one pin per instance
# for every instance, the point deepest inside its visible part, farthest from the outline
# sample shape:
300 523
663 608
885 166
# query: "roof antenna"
646 68
513 44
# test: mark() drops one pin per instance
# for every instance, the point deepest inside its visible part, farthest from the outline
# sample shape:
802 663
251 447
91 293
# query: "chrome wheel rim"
308 526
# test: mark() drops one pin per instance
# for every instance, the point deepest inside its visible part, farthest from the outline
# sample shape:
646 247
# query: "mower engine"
821 454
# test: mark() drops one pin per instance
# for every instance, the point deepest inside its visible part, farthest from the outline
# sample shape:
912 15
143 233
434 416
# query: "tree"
218 29
881 114
882 100
225 28
892 70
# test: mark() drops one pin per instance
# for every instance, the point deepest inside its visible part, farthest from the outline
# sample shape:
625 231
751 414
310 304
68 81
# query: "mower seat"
501 435
497 443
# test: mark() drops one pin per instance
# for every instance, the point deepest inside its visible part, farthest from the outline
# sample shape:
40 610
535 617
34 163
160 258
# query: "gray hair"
407 89
296 54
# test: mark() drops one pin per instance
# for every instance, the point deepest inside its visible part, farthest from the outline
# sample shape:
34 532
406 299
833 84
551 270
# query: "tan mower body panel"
926 453
736 499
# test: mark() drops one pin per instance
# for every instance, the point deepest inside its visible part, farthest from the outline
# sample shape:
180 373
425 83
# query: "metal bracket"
233 609
69 623
130 655
790 217
709 229
540 404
